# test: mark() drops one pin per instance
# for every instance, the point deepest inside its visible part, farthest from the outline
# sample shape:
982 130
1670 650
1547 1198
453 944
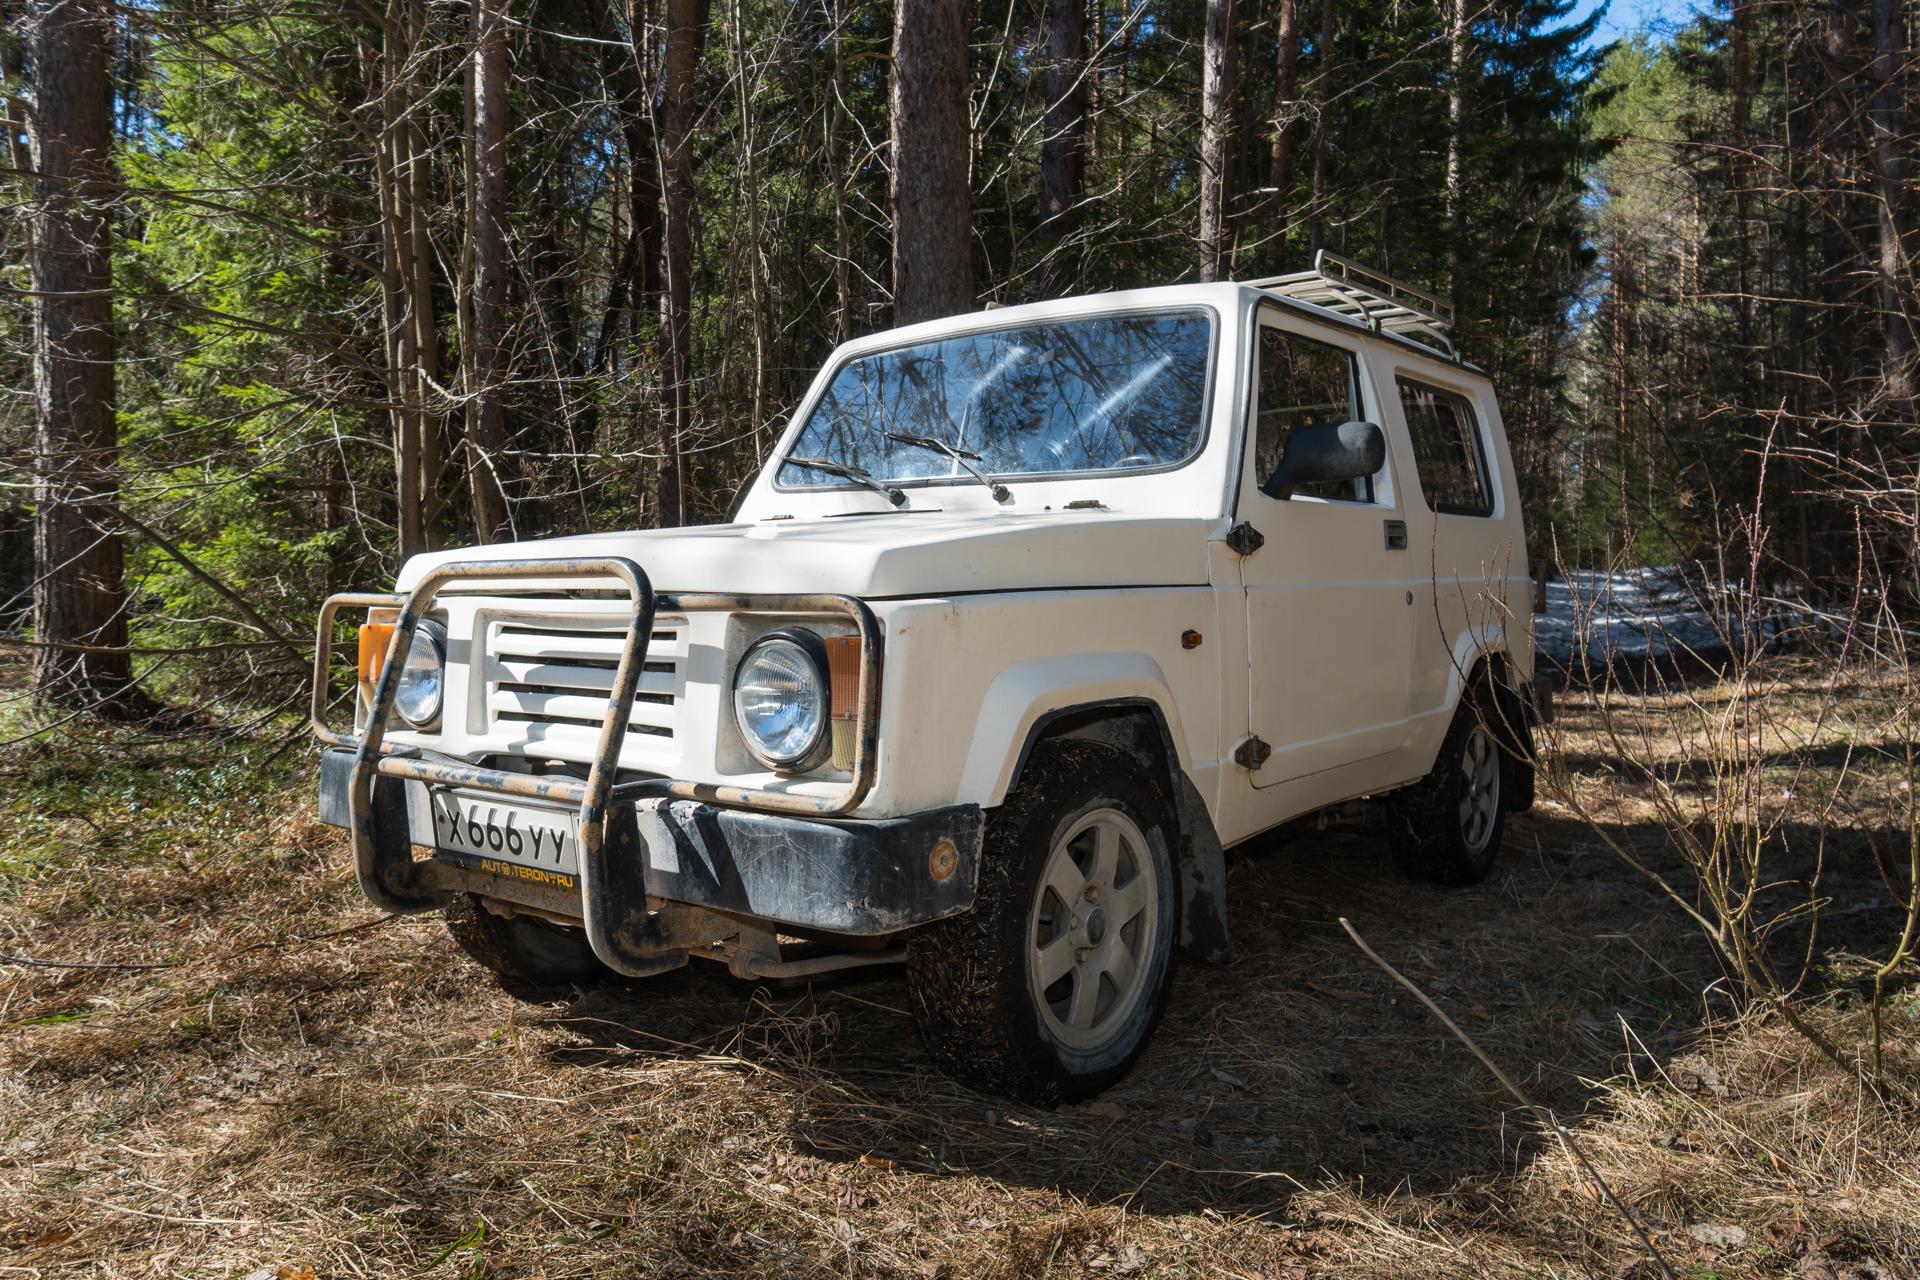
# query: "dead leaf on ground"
1717 1236
34 1238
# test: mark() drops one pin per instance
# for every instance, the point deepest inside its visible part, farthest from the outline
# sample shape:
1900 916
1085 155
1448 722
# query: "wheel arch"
1479 652
1482 656
1137 726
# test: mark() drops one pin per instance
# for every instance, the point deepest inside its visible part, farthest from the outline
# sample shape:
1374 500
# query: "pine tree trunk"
842 230
399 327
486 409
1740 172
676 309
932 215
1323 102
1063 150
1456 140
1890 149
1280 153
1216 138
79 597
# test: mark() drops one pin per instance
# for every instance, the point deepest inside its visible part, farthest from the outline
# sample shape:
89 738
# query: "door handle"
1396 535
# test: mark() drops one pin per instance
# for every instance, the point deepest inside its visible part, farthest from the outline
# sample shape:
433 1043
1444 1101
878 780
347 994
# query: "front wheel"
522 947
1050 987
1446 828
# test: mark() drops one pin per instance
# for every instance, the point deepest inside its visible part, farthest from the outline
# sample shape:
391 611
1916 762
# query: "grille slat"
549 680
658 678
517 640
586 707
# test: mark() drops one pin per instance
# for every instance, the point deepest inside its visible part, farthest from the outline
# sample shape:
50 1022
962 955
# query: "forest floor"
253 1072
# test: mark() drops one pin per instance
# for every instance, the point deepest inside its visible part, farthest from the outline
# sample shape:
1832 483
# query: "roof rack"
1376 300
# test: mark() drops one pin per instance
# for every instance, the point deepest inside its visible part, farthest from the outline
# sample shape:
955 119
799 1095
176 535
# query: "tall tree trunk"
676 259
79 597
416 173
486 387
1323 106
635 283
1456 140
749 180
1063 149
1280 152
932 210
842 231
1740 172
1216 138
401 324
1891 148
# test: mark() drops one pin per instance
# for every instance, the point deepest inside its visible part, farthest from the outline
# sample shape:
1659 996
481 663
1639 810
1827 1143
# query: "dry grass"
367 1103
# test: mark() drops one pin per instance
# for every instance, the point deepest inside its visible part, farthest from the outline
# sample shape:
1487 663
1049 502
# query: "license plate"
522 841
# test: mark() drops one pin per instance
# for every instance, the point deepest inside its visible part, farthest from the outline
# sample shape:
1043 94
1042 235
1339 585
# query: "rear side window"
1447 450
1303 382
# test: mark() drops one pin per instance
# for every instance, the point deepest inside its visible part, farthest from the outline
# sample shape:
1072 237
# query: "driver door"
1330 630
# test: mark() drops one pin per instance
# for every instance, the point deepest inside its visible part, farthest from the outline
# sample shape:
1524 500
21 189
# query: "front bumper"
865 878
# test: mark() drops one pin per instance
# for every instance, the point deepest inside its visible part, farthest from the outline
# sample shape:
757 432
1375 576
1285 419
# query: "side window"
1303 382
1447 450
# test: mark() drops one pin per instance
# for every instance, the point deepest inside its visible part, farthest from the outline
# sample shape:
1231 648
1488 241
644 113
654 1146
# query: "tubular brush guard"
613 897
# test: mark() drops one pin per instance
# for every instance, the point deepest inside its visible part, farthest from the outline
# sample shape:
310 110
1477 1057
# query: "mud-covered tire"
1446 828
522 948
977 981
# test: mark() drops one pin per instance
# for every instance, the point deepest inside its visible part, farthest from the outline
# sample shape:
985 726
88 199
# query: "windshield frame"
1206 310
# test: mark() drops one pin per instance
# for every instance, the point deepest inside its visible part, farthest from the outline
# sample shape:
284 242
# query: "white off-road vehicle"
1030 615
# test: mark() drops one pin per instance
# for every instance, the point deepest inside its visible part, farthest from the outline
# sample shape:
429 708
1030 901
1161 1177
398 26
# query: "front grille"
554 676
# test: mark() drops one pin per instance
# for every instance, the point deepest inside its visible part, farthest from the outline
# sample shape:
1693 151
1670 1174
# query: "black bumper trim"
864 877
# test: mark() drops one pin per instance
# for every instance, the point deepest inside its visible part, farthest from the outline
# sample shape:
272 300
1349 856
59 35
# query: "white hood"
891 554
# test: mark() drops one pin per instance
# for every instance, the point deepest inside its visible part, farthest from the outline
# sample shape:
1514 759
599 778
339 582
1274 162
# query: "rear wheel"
522 947
1050 987
1446 828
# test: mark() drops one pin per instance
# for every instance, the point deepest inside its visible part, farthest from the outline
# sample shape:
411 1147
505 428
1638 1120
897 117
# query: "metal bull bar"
622 931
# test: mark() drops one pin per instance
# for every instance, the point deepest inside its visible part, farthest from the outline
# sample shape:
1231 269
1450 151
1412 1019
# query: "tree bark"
79 596
1280 153
1890 148
1456 141
407 320
486 389
1323 103
1216 138
1063 149
932 211
676 259
842 231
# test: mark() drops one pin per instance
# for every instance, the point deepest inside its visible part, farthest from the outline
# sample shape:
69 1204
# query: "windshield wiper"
860 477
965 458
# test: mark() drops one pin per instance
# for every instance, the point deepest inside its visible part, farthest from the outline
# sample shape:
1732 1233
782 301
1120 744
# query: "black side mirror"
1326 451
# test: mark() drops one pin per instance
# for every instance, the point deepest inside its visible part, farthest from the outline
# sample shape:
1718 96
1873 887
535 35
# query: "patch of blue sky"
1624 17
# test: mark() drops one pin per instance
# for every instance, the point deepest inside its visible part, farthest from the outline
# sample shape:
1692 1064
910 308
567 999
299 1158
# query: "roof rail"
1376 300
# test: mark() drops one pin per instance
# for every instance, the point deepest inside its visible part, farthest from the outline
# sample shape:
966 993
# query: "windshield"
1098 394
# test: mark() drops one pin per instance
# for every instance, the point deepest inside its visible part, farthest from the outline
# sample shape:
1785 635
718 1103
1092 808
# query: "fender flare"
1025 699
1026 694
1478 642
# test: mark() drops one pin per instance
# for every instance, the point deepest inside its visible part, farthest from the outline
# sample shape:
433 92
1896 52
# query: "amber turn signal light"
374 639
843 705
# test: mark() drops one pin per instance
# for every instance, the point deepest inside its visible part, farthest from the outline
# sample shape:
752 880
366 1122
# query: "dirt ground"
253 1072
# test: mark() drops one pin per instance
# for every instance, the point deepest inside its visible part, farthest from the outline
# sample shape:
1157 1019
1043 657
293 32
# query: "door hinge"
1252 753
1243 539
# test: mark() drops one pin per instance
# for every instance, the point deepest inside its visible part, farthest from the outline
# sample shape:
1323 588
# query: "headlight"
780 700
423 675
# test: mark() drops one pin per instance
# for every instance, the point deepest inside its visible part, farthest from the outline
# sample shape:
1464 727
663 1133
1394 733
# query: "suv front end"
676 773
